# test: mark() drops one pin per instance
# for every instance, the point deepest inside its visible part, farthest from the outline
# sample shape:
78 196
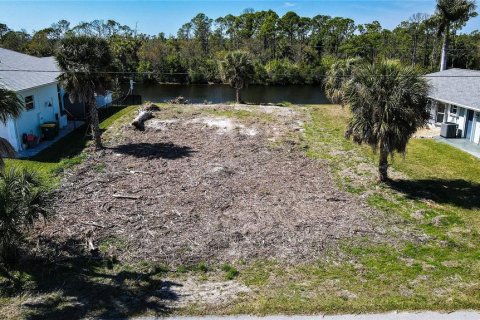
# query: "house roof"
456 86
37 75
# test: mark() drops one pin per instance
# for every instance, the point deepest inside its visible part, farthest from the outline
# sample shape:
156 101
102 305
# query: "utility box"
449 130
49 131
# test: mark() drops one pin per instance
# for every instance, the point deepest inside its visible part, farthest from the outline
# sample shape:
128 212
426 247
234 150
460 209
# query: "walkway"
426 315
72 125
462 144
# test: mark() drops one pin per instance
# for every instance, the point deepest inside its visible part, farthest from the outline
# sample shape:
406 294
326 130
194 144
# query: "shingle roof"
456 86
21 80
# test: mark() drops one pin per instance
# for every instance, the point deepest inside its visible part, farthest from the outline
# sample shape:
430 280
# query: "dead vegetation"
199 185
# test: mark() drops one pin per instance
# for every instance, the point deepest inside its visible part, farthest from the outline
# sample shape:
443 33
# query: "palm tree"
22 201
388 104
85 62
10 106
452 13
337 79
237 69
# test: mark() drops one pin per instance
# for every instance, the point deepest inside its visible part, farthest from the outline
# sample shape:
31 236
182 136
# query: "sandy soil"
203 188
428 132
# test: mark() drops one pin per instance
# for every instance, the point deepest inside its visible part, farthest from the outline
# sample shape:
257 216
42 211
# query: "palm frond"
23 200
338 78
10 105
6 151
388 104
237 69
457 12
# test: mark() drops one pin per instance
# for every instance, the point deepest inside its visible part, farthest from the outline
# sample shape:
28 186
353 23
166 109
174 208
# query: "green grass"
428 158
230 271
244 115
108 289
434 195
67 152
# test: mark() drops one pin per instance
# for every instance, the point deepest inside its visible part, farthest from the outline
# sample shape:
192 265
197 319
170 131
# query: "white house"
36 85
35 82
455 98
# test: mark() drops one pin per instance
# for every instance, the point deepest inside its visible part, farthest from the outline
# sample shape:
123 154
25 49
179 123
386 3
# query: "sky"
155 16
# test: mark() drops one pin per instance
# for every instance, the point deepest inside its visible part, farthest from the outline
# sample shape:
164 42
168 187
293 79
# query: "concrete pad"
462 144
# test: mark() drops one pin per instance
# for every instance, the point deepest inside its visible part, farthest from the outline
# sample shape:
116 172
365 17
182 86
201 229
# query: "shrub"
283 72
23 200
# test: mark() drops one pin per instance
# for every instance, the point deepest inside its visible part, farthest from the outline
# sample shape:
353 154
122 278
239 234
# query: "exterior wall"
7 131
452 117
458 118
104 101
433 111
476 127
30 120
462 114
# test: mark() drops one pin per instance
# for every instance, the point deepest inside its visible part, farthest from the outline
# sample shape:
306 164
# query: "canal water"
217 93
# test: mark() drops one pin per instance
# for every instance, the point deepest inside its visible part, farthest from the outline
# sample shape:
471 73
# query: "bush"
261 75
283 72
23 200
204 73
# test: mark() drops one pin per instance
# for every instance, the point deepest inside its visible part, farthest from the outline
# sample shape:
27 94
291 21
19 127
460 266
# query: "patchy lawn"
224 209
67 152
198 187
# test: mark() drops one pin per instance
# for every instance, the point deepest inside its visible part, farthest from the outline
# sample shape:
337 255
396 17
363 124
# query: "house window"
29 103
440 112
453 109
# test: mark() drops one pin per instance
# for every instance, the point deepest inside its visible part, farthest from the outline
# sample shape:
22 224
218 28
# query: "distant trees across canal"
288 49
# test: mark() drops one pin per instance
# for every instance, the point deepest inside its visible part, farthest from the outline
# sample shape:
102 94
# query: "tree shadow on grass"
75 142
76 285
461 193
154 150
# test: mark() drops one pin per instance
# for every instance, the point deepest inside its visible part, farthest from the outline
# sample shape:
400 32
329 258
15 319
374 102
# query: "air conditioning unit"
449 130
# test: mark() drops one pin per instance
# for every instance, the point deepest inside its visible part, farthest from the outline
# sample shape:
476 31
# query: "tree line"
287 49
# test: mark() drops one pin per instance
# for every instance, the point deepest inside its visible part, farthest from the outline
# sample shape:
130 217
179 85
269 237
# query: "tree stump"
139 121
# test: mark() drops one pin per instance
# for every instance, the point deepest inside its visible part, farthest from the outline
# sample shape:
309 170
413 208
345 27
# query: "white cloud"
288 4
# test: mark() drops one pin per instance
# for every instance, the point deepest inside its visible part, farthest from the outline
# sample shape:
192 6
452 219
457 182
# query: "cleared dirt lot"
212 183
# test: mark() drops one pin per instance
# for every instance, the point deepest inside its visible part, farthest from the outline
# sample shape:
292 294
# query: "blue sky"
152 16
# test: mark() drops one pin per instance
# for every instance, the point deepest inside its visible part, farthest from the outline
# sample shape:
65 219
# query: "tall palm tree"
388 104
237 69
452 13
85 62
10 106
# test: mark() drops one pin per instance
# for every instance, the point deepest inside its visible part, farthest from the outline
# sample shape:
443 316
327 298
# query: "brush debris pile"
191 189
